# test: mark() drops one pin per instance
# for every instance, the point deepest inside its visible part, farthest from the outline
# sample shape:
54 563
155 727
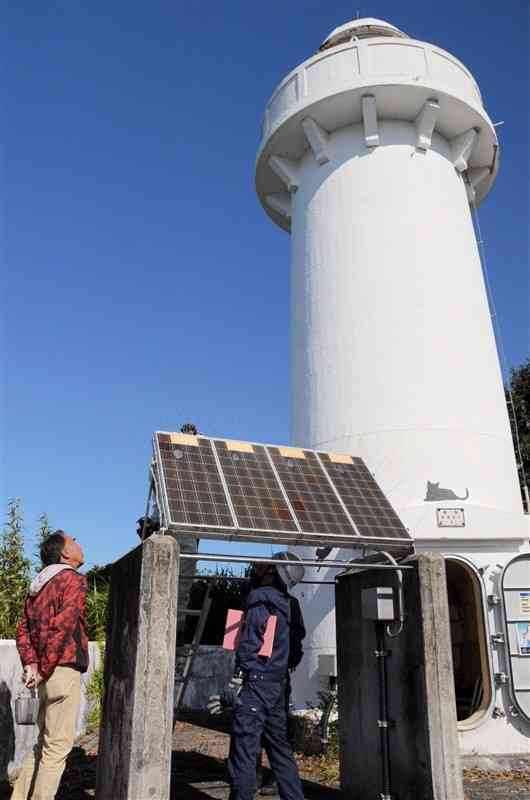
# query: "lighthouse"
375 154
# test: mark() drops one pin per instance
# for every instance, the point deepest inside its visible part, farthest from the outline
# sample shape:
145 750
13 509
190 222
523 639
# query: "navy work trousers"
260 717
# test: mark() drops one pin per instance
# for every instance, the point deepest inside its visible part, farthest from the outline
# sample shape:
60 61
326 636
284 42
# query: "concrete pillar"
134 760
425 762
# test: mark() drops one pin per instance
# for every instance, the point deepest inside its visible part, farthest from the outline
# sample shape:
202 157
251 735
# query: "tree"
43 532
518 397
14 571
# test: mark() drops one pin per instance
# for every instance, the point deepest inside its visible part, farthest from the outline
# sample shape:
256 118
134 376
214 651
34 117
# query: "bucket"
27 707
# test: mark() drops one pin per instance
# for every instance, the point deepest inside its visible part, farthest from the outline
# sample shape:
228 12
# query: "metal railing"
353 565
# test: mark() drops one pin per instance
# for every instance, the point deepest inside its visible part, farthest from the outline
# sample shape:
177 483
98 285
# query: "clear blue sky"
145 285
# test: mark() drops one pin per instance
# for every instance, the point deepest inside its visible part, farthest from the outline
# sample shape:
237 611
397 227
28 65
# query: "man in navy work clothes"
260 689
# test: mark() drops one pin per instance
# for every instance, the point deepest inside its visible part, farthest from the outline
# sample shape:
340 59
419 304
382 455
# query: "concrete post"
425 762
134 760
440 702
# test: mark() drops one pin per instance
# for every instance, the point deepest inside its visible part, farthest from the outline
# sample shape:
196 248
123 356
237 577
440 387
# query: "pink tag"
234 622
268 638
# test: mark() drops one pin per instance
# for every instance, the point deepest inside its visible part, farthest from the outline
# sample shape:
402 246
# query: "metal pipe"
264 560
320 583
383 721
239 579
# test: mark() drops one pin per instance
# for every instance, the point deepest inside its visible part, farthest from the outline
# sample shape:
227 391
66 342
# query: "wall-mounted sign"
450 517
524 604
523 638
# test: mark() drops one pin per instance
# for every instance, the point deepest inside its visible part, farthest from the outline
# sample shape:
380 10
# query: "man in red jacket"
53 647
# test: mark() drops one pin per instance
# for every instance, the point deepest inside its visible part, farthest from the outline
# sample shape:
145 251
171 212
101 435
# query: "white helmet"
290 574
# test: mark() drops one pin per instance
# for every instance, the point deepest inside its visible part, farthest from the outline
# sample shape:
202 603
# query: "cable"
401 601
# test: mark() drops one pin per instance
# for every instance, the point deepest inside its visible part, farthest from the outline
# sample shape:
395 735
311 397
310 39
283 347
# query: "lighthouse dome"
365 28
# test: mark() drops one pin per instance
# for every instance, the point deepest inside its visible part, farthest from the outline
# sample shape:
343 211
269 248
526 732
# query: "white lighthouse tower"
374 153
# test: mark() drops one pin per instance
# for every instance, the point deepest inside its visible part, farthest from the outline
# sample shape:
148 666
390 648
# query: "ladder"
183 679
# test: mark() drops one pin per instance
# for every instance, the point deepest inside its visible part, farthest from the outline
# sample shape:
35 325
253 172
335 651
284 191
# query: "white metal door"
515 590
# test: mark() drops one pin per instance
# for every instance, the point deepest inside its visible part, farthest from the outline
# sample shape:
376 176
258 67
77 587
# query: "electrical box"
379 604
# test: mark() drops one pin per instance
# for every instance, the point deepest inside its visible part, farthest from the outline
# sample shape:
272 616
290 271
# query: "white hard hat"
290 574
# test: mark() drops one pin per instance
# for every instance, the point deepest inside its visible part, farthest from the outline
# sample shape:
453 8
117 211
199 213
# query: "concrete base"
425 763
137 717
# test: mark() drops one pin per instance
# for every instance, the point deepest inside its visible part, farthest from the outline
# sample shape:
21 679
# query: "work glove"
219 703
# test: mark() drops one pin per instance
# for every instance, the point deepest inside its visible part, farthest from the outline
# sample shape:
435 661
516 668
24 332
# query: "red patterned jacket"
52 630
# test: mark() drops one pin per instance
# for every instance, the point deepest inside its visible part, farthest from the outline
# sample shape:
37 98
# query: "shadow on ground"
198 776
78 782
79 779
191 766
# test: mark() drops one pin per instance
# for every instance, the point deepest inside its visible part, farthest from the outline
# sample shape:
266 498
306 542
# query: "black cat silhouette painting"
435 493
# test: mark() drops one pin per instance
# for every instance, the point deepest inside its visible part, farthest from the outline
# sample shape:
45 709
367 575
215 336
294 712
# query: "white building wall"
393 355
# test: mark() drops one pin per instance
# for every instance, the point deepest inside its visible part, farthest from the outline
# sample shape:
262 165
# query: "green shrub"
96 609
14 571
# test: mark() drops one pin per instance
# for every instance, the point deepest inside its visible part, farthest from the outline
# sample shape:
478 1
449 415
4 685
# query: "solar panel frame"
314 505
160 484
267 494
352 536
168 518
361 511
341 501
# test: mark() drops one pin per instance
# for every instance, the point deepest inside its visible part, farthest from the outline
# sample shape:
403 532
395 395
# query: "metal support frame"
149 496
241 579
304 562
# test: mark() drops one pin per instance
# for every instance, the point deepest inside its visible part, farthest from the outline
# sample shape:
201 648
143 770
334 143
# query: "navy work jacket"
287 646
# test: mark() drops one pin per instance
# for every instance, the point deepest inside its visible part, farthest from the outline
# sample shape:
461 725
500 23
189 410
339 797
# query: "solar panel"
311 495
225 489
257 499
365 502
192 483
